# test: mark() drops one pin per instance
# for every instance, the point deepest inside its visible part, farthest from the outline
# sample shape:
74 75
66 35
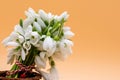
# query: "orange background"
96 23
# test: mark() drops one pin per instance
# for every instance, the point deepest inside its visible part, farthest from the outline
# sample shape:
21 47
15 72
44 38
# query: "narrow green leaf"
21 22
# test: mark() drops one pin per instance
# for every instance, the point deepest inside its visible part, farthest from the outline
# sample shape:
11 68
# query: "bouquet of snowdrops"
40 38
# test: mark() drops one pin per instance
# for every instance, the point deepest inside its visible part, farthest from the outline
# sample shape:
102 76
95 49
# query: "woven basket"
3 73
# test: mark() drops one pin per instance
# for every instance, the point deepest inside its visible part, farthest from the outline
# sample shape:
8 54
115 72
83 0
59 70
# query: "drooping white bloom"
21 39
43 15
49 45
65 47
10 56
52 75
31 13
43 56
15 44
40 62
6 40
50 17
28 32
58 56
41 23
64 16
67 33
66 28
34 38
27 22
19 29
37 26
46 17
14 36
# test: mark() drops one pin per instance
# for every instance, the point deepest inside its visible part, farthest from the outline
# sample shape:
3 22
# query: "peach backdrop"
96 23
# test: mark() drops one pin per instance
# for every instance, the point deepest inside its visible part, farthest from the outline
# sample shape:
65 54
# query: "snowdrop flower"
40 62
65 47
18 29
27 22
15 44
49 45
34 38
41 23
28 32
6 40
67 33
37 26
21 39
13 36
46 17
14 39
58 56
66 29
31 13
43 15
50 17
52 75
11 56
64 16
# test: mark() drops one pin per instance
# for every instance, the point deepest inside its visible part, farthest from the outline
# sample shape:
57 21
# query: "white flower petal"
59 56
50 17
49 45
43 15
11 56
46 76
68 34
27 22
43 56
19 29
28 14
21 39
39 62
30 10
65 47
12 44
64 16
54 74
66 29
6 40
41 23
33 13
14 35
34 38
28 29
28 32
23 55
37 26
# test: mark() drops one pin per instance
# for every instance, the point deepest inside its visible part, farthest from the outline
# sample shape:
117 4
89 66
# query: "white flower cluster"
43 32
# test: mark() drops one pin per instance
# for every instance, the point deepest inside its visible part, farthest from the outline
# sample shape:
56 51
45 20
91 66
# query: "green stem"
28 61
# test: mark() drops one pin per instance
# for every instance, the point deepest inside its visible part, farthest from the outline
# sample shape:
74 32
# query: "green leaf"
21 22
